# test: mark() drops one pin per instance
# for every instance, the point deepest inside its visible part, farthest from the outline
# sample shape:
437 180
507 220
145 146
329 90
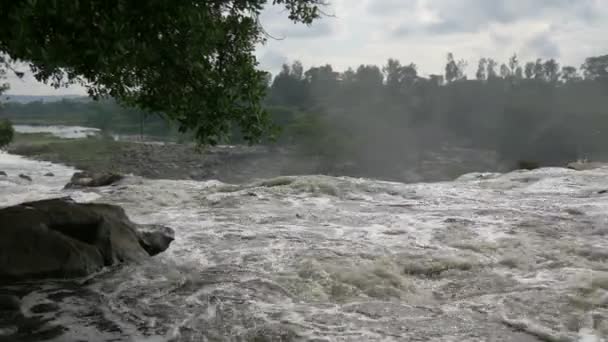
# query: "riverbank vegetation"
6 133
380 120
384 116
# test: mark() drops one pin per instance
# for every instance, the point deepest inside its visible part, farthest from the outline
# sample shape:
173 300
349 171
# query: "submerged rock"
86 179
9 303
26 177
49 174
2 173
155 239
61 238
582 166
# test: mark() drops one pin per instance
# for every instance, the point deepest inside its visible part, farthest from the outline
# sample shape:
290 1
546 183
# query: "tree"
519 73
191 61
570 74
3 85
539 70
297 70
6 133
322 81
6 129
369 76
454 70
348 76
491 67
513 64
410 74
551 68
393 73
505 72
529 70
289 87
451 69
596 68
516 70
481 73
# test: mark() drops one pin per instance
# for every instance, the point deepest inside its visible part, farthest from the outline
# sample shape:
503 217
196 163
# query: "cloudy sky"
424 31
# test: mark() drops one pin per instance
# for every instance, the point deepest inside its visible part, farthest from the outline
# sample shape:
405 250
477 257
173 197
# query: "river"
513 257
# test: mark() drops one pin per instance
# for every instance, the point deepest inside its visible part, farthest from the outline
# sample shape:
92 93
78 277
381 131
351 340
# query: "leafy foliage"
6 133
191 61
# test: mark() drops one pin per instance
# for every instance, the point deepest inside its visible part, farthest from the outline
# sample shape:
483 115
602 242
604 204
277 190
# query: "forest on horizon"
382 117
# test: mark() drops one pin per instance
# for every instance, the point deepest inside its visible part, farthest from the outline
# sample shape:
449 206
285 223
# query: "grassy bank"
154 161
92 153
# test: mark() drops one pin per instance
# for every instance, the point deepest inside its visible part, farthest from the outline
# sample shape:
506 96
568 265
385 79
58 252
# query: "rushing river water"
65 132
515 257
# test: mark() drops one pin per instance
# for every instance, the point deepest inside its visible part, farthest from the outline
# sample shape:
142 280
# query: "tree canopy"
383 120
191 61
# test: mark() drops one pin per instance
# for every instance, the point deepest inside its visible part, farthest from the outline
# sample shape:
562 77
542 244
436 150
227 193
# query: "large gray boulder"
86 179
61 238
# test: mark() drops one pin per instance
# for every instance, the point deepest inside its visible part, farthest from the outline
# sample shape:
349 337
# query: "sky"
423 32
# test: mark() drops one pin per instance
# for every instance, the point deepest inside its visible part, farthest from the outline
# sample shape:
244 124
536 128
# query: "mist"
389 122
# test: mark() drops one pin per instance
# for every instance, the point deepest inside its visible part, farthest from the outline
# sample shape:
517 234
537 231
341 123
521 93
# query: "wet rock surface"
62 238
242 164
155 239
26 177
92 180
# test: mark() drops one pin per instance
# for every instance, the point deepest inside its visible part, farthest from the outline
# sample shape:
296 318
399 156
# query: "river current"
514 257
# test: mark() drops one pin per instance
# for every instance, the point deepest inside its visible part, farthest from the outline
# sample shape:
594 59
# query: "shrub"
6 133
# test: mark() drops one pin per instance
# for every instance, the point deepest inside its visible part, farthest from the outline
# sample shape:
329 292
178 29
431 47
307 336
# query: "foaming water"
46 181
489 257
66 132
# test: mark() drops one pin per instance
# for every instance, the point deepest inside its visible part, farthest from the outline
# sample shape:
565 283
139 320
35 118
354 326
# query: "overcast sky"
424 31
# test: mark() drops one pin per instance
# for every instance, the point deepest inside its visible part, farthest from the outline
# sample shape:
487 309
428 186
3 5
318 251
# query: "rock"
9 303
49 174
86 179
2 173
582 166
527 165
26 177
155 239
61 238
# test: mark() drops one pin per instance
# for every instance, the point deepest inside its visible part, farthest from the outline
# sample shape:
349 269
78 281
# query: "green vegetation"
6 133
378 122
382 118
190 61
106 115
93 153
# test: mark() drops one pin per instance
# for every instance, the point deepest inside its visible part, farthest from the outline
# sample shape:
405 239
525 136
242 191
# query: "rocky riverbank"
237 164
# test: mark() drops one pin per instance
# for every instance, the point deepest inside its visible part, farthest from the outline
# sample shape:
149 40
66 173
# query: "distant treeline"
383 117
106 115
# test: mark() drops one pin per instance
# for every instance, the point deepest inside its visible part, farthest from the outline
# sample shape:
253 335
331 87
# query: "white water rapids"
515 257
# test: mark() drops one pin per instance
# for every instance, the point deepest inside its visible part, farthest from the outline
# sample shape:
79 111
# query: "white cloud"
29 86
424 31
